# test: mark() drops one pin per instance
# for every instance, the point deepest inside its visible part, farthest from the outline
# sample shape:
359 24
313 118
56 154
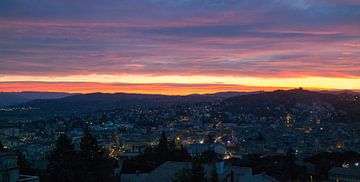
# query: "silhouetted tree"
290 154
197 172
182 176
62 161
210 138
1 146
153 157
172 145
180 154
24 167
323 167
208 156
95 164
163 147
102 119
290 170
214 176
260 137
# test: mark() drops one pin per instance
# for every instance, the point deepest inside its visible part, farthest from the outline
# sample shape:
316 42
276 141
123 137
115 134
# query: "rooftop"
345 171
4 153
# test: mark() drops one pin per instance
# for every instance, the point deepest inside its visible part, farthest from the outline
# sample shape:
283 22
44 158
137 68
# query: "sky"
178 46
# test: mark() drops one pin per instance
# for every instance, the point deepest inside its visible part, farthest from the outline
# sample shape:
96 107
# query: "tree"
96 165
290 154
24 167
102 119
180 154
182 176
210 139
163 147
260 137
62 161
290 170
197 172
154 157
1 146
208 156
214 176
172 145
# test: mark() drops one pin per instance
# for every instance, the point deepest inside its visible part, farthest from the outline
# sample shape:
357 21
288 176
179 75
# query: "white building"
9 170
167 171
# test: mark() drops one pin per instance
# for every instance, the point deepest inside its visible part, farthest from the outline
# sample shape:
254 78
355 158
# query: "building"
339 174
288 120
240 174
163 173
26 178
168 170
9 170
198 149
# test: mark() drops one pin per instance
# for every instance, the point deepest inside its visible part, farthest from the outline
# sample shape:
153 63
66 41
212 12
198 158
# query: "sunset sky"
178 46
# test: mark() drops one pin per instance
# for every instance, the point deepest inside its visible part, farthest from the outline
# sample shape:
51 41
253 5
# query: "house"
168 170
344 174
240 174
9 170
198 149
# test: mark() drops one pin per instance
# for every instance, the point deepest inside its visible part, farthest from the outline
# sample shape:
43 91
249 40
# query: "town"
127 133
179 90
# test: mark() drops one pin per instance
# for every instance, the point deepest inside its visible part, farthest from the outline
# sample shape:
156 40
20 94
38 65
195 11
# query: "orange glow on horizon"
164 89
169 85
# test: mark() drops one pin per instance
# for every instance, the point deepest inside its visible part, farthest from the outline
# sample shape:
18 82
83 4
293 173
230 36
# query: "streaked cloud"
291 82
151 39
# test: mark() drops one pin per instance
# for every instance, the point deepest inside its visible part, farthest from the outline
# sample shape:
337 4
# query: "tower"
288 120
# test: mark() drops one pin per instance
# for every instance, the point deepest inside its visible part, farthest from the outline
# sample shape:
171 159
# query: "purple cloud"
165 37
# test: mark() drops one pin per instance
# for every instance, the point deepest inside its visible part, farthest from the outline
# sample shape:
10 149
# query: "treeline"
89 163
153 157
324 161
168 150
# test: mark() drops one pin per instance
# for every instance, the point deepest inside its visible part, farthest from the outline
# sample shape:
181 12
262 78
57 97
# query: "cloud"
257 38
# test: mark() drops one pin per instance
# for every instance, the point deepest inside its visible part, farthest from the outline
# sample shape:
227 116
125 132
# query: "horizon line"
208 93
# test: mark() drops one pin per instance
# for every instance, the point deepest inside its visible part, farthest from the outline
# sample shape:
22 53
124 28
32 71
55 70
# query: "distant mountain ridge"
14 98
340 106
105 101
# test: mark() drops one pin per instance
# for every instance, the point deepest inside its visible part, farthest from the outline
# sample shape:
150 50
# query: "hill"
14 98
85 103
302 103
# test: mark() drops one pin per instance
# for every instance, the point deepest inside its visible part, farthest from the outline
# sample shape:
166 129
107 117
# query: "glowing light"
227 157
107 83
346 165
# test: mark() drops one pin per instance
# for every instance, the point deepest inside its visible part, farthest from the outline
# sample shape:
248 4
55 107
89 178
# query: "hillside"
303 103
85 103
14 98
